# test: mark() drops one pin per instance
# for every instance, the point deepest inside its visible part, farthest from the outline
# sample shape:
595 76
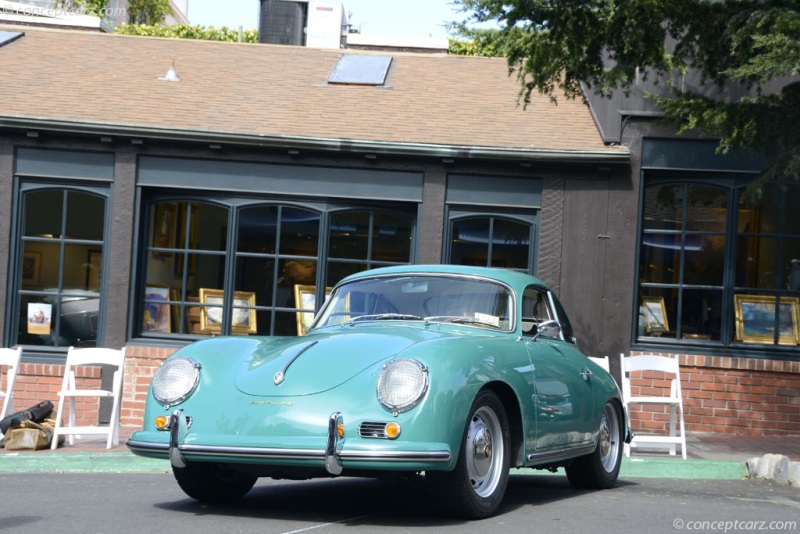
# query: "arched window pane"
469 244
391 238
510 244
83 213
349 235
257 230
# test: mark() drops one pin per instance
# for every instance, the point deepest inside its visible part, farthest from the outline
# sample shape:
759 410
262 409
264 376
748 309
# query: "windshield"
434 298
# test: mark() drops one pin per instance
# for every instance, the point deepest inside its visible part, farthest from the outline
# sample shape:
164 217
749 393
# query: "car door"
563 398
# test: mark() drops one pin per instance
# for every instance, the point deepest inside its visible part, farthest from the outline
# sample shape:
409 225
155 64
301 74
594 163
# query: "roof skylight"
8 37
359 69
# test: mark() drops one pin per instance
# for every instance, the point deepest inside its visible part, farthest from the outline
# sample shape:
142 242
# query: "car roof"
511 277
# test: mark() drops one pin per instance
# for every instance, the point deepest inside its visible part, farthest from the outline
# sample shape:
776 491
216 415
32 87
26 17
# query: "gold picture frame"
305 298
755 319
655 315
244 316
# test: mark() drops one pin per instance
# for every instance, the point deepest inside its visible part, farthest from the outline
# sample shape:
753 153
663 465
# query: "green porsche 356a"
457 374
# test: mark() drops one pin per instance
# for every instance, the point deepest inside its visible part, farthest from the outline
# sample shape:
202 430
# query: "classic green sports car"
459 373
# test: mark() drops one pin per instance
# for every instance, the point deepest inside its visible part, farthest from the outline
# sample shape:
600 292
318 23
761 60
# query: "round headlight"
175 380
401 384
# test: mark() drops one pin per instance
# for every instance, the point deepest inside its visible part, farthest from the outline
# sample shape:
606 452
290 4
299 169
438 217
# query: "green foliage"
139 11
89 7
148 11
555 45
478 43
185 31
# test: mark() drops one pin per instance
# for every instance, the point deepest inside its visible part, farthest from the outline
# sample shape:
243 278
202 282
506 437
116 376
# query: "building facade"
146 212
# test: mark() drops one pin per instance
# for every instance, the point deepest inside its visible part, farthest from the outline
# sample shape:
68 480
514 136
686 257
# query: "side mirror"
549 328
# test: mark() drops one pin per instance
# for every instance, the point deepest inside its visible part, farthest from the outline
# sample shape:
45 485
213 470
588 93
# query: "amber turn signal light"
392 430
161 422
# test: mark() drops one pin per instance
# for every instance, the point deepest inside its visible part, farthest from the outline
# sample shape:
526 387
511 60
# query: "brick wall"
36 382
141 364
725 395
721 395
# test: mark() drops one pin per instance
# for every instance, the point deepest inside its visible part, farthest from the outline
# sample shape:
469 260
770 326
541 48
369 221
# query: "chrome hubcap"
484 457
609 438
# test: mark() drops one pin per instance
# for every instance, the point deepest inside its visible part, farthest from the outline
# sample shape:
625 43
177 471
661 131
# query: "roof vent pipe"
171 75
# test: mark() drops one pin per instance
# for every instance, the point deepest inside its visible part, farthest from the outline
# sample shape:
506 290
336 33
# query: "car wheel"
475 488
211 482
600 469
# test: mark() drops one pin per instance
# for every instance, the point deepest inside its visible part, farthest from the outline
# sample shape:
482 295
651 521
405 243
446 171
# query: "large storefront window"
225 268
60 267
489 241
712 269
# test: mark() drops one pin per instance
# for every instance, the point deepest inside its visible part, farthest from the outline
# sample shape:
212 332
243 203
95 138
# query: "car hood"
322 361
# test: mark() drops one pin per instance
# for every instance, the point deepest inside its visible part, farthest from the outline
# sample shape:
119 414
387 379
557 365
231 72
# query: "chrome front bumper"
333 457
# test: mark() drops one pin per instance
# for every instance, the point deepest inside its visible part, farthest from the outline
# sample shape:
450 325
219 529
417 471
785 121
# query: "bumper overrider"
334 457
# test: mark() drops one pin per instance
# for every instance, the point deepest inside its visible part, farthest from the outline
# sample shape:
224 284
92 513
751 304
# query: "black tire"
209 482
600 469
475 488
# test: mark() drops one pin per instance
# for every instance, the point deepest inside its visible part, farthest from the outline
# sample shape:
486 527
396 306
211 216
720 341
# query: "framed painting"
164 228
39 318
31 268
156 316
243 319
305 298
755 319
655 314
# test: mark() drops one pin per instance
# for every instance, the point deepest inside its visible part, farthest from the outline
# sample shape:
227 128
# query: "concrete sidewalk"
710 456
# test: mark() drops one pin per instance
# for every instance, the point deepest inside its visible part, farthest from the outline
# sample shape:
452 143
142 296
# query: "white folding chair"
77 358
602 362
9 358
674 401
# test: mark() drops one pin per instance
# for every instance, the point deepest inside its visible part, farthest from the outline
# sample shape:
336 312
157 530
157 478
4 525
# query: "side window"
535 309
566 326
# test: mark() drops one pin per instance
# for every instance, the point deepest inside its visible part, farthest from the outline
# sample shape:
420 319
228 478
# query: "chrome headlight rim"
169 394
412 397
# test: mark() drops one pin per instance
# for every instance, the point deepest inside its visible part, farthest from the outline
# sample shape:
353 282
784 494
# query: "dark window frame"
532 218
64 185
734 184
235 204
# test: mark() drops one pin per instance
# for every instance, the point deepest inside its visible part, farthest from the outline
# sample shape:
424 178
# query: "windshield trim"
427 274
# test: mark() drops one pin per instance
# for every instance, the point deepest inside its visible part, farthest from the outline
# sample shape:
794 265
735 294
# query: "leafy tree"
148 11
555 45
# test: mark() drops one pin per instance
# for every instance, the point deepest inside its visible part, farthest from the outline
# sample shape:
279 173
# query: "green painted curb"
126 462
667 468
679 468
76 462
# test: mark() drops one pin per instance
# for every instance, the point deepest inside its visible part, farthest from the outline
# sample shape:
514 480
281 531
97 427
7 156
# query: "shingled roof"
250 92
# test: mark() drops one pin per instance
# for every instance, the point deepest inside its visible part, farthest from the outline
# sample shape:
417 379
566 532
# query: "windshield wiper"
386 317
473 321
460 319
